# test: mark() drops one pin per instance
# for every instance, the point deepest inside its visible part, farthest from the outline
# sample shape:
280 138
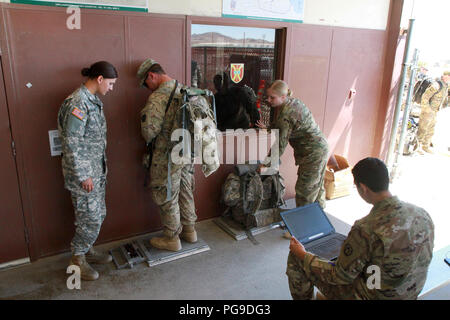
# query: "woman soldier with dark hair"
82 128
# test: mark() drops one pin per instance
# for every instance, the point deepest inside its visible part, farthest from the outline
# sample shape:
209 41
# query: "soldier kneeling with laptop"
385 256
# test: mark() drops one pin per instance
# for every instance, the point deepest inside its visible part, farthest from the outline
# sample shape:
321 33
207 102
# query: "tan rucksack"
196 114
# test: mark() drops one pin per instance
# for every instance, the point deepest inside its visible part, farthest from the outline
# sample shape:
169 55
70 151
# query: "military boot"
420 149
166 243
189 234
427 149
94 256
86 271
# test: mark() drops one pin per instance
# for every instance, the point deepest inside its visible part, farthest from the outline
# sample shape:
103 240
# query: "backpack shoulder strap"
278 200
437 91
255 179
169 178
171 95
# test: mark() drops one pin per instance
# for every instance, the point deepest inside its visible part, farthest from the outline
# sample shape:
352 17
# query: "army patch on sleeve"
348 250
78 113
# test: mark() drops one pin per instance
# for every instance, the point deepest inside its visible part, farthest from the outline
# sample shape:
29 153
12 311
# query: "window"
216 48
224 56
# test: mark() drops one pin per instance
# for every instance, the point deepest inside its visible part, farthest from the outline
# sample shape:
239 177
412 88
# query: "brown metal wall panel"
12 227
49 56
309 57
389 99
309 65
395 47
46 54
357 62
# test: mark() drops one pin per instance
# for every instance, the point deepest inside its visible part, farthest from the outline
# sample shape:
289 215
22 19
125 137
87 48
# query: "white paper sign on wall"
55 143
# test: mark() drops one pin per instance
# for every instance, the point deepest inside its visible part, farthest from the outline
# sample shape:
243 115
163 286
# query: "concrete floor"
230 270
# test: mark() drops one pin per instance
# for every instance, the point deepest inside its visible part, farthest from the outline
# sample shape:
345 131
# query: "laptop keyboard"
327 245
328 249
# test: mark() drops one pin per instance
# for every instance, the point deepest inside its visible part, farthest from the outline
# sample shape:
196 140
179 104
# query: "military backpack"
421 86
196 117
252 199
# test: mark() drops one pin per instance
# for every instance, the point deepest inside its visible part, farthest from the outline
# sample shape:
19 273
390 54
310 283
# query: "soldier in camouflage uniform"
172 184
196 77
432 100
396 237
297 127
82 128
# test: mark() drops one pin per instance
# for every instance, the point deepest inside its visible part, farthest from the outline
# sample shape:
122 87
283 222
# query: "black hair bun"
86 72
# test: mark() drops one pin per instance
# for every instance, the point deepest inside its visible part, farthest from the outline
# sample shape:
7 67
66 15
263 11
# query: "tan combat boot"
87 272
189 234
427 149
94 256
420 149
166 243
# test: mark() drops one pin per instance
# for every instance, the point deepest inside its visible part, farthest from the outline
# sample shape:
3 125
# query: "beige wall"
210 8
369 14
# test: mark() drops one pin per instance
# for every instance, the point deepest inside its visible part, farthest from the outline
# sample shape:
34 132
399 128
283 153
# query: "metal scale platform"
138 251
235 230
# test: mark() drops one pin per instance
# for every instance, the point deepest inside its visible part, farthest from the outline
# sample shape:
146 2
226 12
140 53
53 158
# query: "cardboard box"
338 182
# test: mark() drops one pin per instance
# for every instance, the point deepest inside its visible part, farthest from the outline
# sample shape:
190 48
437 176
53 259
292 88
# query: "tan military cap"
143 70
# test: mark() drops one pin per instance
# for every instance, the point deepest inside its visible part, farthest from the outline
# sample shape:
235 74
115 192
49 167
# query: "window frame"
282 40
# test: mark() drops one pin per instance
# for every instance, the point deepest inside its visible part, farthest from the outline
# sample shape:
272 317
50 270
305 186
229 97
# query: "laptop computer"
310 225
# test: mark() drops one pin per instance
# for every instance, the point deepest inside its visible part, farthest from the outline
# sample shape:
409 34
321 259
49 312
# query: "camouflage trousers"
310 187
427 122
302 285
179 209
90 211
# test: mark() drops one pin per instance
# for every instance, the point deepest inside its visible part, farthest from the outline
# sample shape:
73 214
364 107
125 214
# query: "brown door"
39 77
12 228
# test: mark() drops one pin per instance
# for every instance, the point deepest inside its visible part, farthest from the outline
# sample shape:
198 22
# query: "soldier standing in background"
297 127
432 100
172 184
196 78
396 237
82 128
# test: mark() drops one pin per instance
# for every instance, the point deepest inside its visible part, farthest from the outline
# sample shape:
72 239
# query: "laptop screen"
307 223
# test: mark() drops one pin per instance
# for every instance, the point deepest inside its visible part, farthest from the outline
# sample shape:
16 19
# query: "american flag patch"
78 113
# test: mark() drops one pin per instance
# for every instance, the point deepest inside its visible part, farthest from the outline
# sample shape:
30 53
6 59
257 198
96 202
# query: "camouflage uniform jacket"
82 128
395 236
433 98
157 124
296 125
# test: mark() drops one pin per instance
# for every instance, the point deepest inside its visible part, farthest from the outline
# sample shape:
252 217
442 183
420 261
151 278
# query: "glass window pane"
215 48
238 55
